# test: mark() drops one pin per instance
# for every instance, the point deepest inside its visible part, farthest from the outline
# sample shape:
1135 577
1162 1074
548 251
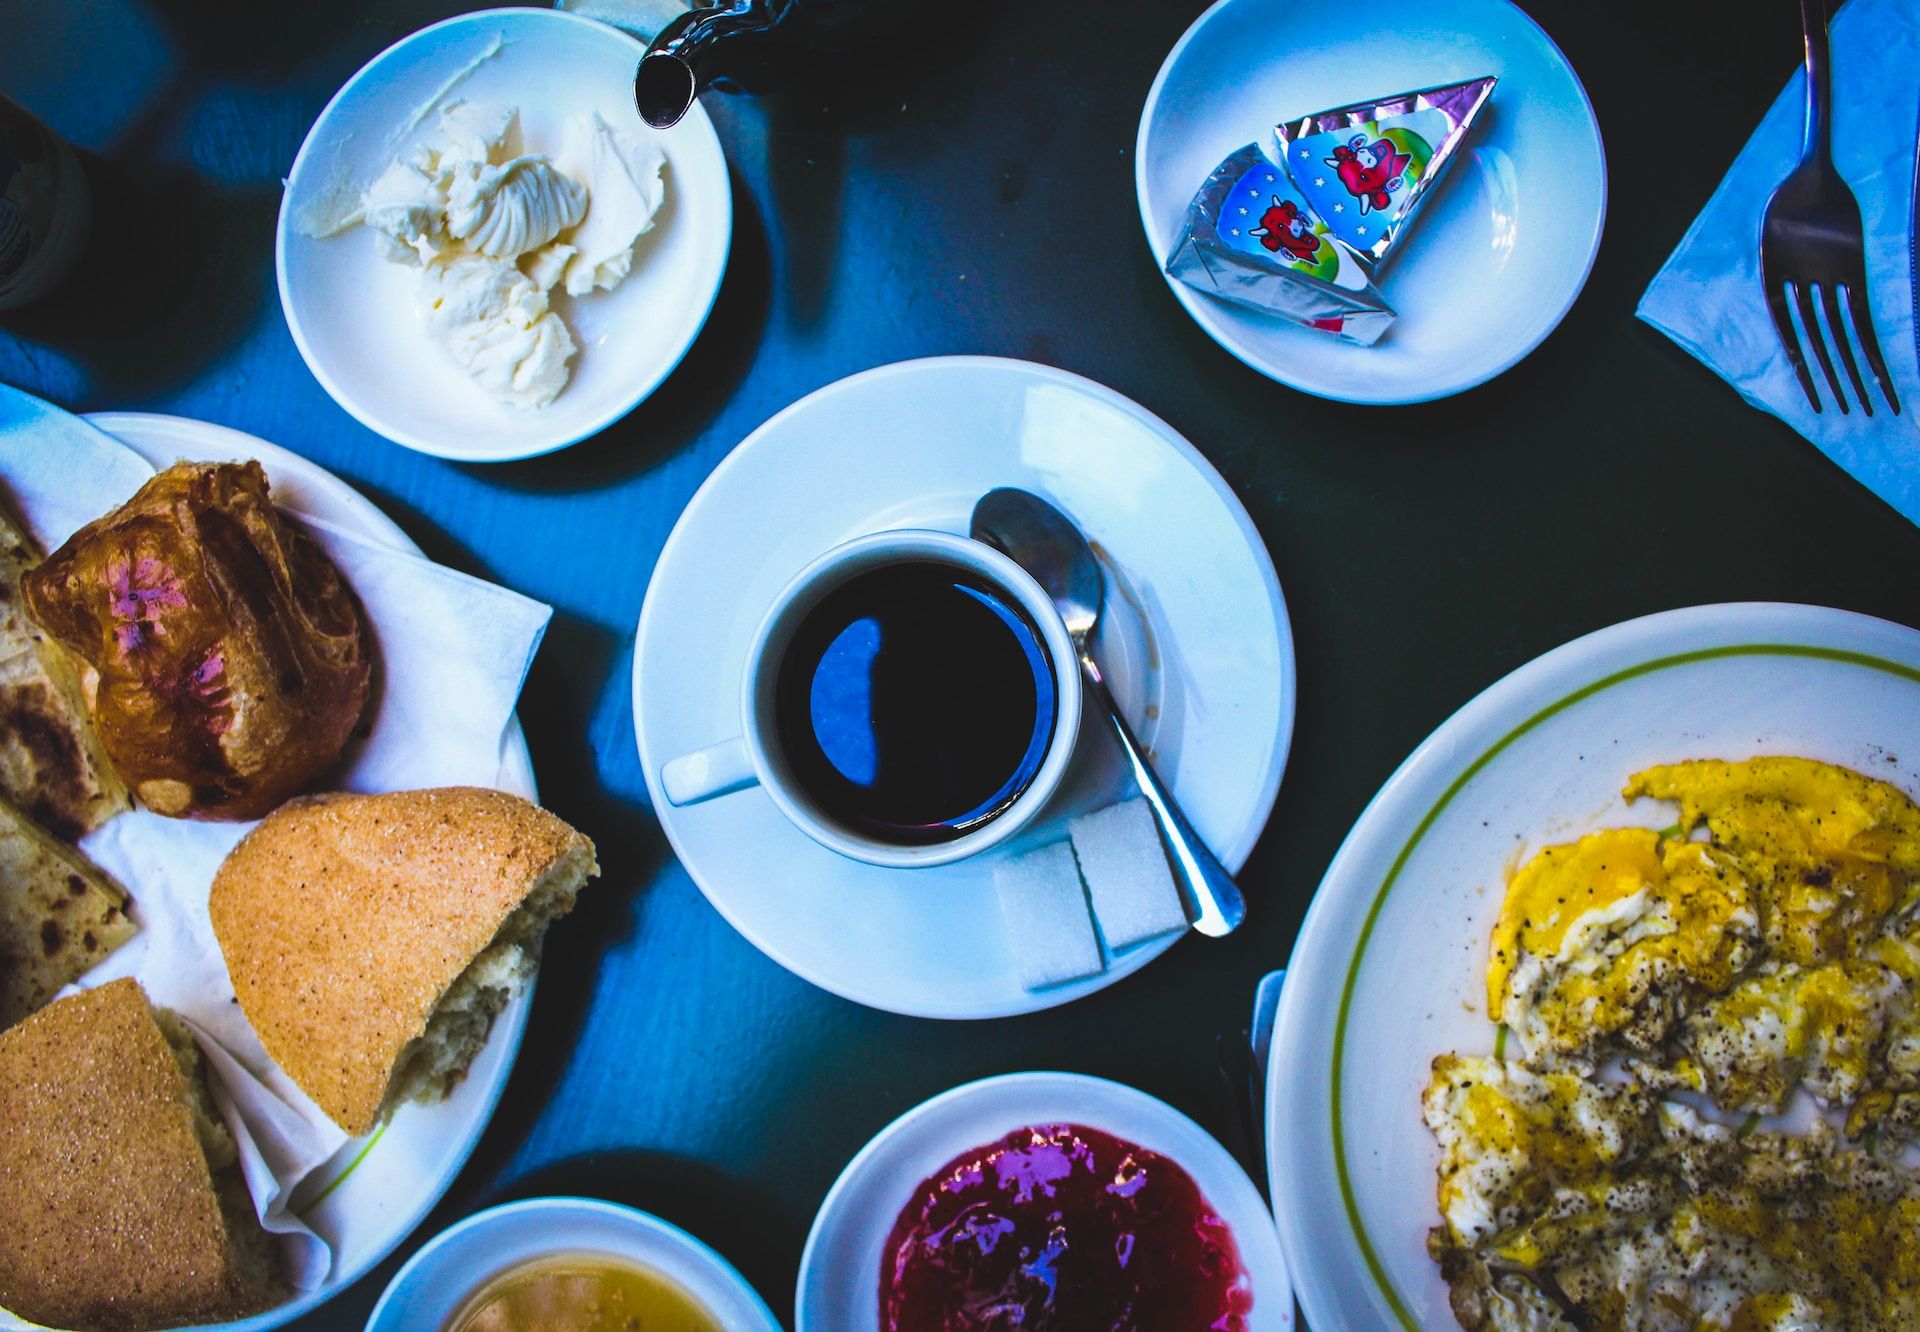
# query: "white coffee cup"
755 758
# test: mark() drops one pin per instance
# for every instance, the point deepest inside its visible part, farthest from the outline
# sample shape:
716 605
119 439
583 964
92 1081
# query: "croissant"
228 660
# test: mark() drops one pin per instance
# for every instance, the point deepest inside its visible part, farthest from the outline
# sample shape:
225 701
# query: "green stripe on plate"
1472 770
341 1178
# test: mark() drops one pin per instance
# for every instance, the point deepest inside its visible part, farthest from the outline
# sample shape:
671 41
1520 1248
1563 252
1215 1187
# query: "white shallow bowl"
449 1268
839 1289
1498 254
352 313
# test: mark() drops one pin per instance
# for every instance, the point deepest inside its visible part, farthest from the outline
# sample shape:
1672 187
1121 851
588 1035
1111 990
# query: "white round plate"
1498 254
429 1290
352 312
839 1289
1390 966
1195 640
376 1189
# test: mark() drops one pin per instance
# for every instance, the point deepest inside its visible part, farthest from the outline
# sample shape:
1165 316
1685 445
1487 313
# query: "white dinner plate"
1195 641
352 313
1390 965
1497 255
839 1284
430 1289
376 1189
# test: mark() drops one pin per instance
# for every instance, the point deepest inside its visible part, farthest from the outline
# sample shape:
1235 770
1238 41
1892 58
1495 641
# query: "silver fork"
1811 237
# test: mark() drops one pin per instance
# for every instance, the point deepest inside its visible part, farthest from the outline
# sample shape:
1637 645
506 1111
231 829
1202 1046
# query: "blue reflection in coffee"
915 702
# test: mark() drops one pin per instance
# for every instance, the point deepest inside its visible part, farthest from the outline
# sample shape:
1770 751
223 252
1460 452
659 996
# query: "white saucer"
1198 647
352 313
840 1270
1498 255
429 1290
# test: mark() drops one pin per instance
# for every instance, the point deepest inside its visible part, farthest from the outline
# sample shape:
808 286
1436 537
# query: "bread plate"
1390 965
376 1190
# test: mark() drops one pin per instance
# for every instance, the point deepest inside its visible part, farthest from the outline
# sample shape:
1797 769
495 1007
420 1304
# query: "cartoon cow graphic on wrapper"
1370 171
1284 227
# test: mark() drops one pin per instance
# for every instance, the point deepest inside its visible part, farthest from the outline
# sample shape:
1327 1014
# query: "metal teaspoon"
1044 542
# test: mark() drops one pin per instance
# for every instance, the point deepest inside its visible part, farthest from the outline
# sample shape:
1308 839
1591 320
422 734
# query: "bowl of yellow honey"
575 1263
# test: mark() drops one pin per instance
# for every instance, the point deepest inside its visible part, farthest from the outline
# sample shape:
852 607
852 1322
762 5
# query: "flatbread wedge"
123 1204
372 939
60 915
51 763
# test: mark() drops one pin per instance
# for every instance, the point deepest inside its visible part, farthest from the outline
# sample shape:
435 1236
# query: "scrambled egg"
1606 939
1817 1027
1834 851
1574 1203
1781 952
1524 1147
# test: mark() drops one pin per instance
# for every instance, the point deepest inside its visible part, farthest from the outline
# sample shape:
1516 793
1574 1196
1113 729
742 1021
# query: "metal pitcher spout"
723 47
753 46
664 88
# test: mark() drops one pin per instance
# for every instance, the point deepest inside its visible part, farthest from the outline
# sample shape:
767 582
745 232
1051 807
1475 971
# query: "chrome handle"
1208 893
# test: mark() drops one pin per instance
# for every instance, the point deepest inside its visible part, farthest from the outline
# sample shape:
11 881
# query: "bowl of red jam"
1043 1202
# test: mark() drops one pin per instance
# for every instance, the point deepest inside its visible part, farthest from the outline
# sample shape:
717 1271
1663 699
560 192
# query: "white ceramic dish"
840 1268
351 312
1498 255
377 1189
1390 965
436 1281
1195 640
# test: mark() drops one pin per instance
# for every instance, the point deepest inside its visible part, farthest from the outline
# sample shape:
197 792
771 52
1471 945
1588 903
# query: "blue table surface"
968 190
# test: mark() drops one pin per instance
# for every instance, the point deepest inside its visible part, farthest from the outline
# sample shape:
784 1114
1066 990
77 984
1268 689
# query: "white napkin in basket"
452 653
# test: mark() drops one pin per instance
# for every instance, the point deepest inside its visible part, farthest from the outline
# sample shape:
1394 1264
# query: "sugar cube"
1048 926
1125 868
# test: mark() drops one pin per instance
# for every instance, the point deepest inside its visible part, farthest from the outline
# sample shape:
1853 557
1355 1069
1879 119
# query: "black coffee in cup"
914 702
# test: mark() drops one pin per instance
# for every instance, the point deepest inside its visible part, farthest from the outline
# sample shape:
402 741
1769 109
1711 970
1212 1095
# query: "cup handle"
714 771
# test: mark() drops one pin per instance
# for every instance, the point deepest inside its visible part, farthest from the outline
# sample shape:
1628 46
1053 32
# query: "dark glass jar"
46 209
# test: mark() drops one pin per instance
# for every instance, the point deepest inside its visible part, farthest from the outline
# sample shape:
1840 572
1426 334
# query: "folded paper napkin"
452 652
1708 297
